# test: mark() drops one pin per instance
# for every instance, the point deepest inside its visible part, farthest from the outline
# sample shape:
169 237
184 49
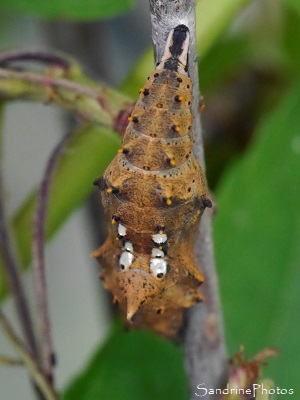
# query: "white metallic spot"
157 253
128 247
159 238
125 260
121 230
158 266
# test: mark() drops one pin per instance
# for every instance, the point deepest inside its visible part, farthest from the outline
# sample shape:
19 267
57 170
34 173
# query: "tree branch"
204 339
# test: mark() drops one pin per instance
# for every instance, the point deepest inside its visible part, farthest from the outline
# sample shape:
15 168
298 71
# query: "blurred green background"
249 70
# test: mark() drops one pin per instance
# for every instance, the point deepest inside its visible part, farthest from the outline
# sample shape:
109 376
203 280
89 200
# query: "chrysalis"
154 193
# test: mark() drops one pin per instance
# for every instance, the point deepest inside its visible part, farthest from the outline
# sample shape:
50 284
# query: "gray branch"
205 353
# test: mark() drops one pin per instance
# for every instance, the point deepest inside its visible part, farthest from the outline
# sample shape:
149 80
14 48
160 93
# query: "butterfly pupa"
154 194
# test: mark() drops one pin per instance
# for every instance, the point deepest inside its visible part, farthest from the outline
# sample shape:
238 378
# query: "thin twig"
96 103
38 258
10 361
34 55
45 80
38 377
204 339
12 271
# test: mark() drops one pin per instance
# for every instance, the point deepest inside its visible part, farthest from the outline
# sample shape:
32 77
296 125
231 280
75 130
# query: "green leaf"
85 158
257 236
295 4
290 38
212 18
69 9
222 61
132 366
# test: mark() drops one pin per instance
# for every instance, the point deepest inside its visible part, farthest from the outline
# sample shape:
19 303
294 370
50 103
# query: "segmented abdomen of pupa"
154 193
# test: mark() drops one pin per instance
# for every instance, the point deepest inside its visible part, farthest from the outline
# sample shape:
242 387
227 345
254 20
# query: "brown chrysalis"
154 193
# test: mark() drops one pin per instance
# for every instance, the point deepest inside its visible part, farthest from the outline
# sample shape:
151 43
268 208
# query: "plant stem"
7 360
204 339
12 271
38 377
93 101
37 56
39 262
